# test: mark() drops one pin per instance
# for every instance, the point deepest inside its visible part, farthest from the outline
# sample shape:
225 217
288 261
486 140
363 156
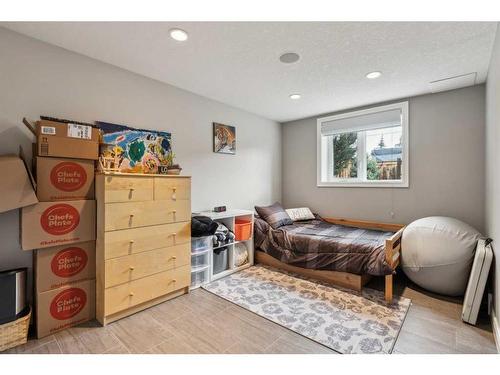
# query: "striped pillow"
274 215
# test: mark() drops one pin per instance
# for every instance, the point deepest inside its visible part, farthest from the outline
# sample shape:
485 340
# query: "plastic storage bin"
199 277
220 260
201 243
200 260
242 229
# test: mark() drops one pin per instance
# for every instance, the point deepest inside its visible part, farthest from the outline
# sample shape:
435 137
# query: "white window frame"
322 148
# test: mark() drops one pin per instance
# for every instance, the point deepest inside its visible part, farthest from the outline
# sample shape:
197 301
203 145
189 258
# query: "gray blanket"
317 244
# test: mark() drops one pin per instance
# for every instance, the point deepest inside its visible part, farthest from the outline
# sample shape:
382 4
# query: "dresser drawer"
135 292
133 267
127 189
141 214
136 240
174 188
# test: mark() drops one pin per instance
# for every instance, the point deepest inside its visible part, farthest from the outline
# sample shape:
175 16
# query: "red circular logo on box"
60 219
69 262
68 176
68 303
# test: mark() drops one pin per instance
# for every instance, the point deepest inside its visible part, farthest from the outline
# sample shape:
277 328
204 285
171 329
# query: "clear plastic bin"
220 260
201 243
199 277
199 260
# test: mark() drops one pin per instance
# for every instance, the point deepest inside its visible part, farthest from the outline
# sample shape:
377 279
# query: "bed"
339 251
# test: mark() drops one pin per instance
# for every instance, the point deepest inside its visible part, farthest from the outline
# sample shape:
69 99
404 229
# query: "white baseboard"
496 329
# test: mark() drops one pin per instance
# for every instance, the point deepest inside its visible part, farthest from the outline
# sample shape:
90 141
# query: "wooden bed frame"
346 279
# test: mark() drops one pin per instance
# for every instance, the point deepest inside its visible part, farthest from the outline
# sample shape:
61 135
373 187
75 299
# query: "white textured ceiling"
237 63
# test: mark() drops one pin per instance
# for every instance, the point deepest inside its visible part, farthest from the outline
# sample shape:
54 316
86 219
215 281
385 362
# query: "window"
364 148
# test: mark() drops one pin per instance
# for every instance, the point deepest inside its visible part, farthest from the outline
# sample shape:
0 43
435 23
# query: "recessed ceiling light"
295 96
289 58
373 75
179 35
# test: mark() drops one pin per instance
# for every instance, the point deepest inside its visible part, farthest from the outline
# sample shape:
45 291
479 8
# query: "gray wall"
40 79
446 166
493 162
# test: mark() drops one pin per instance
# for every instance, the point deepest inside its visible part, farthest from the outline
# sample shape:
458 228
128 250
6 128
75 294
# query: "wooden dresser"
143 248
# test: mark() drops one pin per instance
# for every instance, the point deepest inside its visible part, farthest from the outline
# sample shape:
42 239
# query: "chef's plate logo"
68 176
60 219
69 262
68 303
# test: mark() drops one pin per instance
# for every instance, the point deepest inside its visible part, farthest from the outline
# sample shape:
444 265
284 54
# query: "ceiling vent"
452 83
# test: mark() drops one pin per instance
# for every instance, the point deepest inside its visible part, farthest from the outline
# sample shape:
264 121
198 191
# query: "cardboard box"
64 179
66 140
58 309
64 265
16 189
66 130
48 224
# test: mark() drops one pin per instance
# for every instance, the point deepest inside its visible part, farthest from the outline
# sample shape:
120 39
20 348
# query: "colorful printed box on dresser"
143 248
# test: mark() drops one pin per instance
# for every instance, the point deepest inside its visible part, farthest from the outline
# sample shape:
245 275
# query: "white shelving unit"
202 271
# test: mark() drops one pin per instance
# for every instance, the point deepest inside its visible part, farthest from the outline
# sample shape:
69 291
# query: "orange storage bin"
242 229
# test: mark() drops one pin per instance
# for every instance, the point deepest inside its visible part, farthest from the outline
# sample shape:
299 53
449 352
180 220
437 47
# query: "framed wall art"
224 139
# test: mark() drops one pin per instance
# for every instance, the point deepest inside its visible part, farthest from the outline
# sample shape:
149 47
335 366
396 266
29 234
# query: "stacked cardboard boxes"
61 227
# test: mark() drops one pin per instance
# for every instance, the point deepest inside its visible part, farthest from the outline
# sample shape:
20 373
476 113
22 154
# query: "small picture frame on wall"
224 139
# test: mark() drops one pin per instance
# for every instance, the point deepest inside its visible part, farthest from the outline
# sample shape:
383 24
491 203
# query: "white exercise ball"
437 254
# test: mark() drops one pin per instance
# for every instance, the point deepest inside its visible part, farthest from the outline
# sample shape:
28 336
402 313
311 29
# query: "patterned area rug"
337 318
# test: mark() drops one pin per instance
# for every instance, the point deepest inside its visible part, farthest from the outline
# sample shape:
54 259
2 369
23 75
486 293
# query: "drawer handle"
131 241
174 211
174 257
130 193
131 215
174 189
131 294
131 268
174 238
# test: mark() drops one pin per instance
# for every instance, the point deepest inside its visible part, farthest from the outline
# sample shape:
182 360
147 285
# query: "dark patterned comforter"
317 244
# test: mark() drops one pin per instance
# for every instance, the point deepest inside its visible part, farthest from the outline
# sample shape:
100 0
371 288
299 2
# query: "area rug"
343 320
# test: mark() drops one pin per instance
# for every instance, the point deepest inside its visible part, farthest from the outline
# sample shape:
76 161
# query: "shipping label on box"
67 130
50 130
48 224
79 131
63 179
64 265
61 308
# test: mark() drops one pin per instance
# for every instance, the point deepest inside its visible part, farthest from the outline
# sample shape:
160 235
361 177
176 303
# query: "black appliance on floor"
13 294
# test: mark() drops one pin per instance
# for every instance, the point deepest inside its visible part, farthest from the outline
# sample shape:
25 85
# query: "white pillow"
302 213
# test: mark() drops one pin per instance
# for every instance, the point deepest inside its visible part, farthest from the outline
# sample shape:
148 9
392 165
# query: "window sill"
403 184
